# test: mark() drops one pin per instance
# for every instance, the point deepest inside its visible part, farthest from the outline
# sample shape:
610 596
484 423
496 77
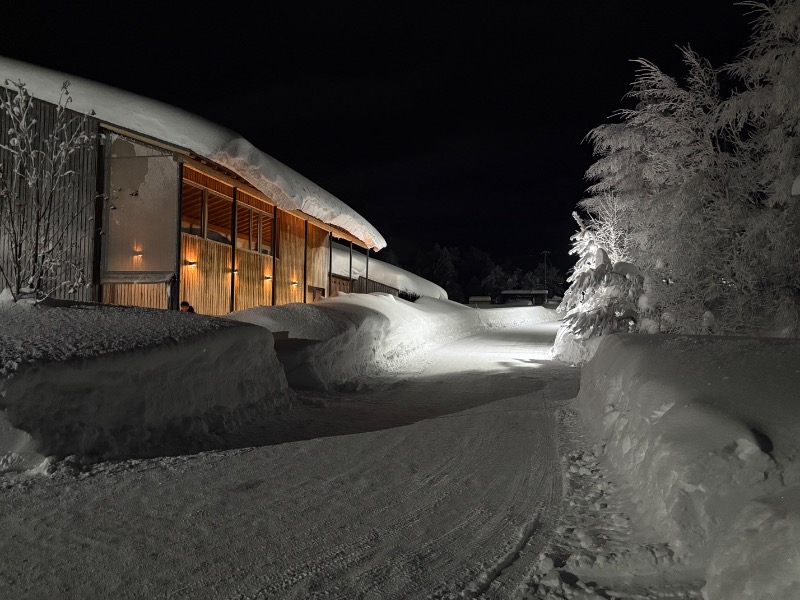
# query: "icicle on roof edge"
286 187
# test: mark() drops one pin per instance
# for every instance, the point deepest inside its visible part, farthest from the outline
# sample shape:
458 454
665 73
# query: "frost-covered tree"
763 118
37 189
603 297
676 177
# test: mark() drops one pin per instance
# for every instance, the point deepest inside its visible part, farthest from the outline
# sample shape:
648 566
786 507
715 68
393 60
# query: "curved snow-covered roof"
289 189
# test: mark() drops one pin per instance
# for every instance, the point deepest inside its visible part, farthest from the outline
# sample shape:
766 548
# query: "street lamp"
545 252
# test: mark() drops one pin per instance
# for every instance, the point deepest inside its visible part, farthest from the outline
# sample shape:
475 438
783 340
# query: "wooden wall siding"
318 261
289 261
340 284
207 284
201 179
76 204
251 287
362 287
149 295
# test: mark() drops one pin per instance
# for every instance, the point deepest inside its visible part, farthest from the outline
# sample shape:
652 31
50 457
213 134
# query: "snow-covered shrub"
603 297
39 194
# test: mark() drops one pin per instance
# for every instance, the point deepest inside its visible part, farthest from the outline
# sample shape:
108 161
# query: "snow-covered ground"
115 381
352 336
707 432
468 470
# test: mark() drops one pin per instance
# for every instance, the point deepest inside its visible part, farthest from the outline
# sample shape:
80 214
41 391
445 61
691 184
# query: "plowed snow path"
439 508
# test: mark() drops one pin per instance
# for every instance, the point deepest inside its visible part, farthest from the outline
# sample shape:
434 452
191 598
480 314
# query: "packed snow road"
457 503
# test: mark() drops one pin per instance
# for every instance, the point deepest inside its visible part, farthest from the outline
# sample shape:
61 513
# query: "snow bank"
289 189
707 430
341 339
383 272
758 557
573 349
111 381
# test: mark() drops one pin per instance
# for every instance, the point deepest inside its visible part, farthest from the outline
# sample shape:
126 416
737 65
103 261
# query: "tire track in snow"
417 511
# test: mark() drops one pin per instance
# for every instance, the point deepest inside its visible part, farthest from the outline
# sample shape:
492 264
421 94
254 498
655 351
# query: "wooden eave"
230 178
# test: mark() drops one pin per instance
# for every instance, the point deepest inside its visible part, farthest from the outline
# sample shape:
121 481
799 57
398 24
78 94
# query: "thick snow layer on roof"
384 273
707 430
286 187
112 381
342 339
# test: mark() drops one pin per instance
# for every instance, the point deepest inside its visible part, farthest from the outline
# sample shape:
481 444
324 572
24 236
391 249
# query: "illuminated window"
206 212
192 210
266 234
218 224
244 228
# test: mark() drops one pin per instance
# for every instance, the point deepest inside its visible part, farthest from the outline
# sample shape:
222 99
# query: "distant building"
522 297
186 210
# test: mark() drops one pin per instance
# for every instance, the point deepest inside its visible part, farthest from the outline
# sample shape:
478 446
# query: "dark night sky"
452 122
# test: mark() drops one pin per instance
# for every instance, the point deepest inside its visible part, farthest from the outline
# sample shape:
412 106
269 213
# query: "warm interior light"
268 278
139 254
294 283
235 271
190 263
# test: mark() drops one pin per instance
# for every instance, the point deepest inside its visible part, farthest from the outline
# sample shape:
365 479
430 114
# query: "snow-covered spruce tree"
37 195
603 297
763 119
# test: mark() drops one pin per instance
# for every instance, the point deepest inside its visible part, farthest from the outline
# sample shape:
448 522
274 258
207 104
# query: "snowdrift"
289 189
707 430
341 339
115 381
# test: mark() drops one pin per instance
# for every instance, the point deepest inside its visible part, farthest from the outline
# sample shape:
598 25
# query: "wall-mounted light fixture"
138 253
268 278
235 271
190 263
294 283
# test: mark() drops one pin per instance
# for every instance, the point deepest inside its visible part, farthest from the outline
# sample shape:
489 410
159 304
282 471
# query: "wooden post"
330 265
350 272
233 252
366 283
274 253
305 262
101 177
175 291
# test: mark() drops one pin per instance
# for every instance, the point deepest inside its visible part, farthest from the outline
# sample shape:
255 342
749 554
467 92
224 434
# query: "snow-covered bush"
603 297
39 188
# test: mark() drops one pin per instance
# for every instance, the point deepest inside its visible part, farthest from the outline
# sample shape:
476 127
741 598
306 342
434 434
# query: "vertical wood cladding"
252 288
289 261
75 205
148 295
205 275
361 286
318 261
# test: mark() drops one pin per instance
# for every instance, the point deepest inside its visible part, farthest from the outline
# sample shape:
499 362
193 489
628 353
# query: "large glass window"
141 220
206 212
244 229
266 234
192 210
218 227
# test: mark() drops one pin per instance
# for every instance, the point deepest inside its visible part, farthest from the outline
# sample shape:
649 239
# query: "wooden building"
168 223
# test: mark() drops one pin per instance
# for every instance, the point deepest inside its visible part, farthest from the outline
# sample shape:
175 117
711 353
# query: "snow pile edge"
368 334
680 421
76 391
